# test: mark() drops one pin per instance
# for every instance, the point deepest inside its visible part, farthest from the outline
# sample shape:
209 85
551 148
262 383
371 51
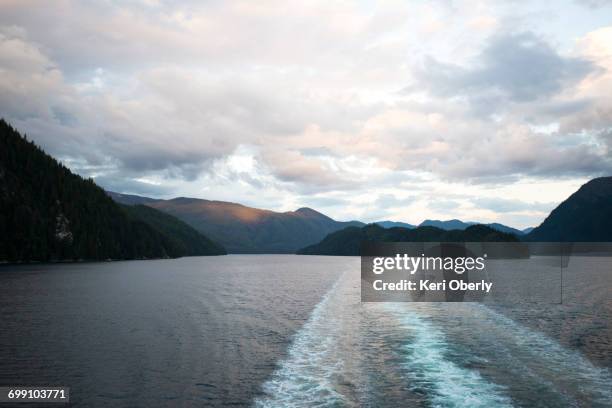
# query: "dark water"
277 331
190 332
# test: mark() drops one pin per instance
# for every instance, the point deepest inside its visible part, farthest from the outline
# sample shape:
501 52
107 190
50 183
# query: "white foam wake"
307 376
320 360
429 369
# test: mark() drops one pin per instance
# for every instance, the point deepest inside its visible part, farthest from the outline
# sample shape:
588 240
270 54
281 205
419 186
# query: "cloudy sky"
404 110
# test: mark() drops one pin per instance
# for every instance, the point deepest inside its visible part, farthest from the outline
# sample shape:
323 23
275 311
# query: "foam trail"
428 369
306 376
319 359
568 365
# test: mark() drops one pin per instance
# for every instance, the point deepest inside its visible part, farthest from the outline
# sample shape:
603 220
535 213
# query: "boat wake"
350 353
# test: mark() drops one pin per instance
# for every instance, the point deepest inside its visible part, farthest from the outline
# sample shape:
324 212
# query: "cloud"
595 4
28 77
518 67
132 186
504 205
299 103
446 206
393 201
325 201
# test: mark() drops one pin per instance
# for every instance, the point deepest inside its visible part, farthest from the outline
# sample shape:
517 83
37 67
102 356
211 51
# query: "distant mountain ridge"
456 224
243 229
504 228
447 225
586 216
49 213
391 224
347 242
129 199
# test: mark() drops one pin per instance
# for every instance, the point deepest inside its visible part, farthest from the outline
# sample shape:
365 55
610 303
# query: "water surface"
280 330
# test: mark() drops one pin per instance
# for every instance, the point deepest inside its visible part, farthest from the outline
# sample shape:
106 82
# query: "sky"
488 111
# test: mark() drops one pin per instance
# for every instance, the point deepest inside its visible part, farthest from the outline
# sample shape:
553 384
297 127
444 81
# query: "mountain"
178 235
447 225
586 216
505 228
243 229
527 230
461 225
129 199
391 224
47 213
348 241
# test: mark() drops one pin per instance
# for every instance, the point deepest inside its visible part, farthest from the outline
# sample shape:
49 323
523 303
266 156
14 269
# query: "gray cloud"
520 67
131 186
537 155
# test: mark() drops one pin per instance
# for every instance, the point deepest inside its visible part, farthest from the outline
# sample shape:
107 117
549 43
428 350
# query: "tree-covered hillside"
586 216
48 213
348 241
179 236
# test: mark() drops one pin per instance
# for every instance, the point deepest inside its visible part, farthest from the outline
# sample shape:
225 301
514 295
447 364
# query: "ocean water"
283 331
